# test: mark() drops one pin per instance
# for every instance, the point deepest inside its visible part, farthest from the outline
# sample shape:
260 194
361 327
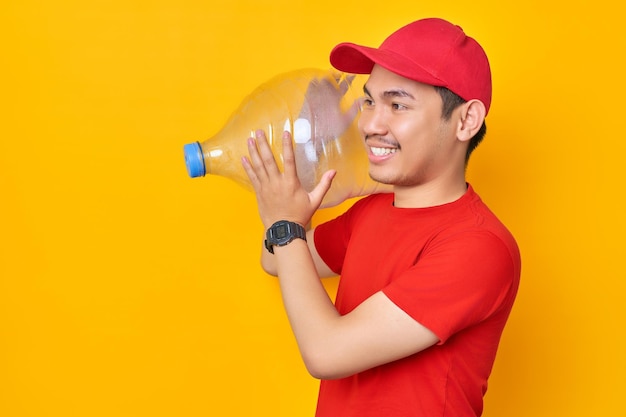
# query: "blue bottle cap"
194 159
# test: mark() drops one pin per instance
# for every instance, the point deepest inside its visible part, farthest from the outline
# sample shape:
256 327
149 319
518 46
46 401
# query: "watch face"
281 231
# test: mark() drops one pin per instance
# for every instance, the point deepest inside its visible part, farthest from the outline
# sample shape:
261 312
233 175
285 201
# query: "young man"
428 273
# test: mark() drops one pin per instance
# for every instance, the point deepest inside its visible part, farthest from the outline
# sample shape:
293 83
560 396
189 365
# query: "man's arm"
332 346
335 346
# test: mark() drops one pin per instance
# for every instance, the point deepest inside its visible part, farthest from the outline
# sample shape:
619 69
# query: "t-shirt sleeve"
457 282
331 241
332 238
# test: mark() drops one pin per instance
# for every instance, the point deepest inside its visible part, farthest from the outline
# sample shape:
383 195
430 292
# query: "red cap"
431 51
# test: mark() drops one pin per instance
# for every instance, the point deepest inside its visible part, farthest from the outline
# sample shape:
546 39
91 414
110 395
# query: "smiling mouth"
382 151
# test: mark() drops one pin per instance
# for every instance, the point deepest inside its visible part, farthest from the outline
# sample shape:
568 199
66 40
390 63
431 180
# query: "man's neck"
428 195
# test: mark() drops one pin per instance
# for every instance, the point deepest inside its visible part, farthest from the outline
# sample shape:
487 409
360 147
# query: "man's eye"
367 102
398 106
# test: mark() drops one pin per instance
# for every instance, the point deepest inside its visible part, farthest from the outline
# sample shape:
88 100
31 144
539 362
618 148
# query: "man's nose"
373 122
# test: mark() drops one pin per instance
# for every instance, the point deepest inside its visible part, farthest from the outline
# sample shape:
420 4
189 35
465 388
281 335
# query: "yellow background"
128 289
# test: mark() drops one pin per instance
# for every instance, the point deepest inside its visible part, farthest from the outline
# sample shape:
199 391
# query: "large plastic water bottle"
320 109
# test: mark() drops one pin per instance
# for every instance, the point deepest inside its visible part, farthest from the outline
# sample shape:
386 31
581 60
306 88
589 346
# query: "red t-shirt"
455 269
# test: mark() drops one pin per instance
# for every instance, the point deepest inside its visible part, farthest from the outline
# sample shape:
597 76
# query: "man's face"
408 142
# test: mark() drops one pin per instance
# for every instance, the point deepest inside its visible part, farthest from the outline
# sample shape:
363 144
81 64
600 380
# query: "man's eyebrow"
396 92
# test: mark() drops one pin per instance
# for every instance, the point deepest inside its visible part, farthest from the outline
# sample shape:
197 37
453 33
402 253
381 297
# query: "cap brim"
357 59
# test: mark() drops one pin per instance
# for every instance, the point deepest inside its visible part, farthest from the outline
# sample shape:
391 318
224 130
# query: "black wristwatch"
282 233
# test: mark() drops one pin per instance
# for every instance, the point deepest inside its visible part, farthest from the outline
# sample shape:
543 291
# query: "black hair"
450 102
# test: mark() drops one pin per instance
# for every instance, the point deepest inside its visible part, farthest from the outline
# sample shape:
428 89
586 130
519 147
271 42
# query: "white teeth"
382 151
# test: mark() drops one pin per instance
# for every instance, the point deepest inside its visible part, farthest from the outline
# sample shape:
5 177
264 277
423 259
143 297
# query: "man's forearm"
310 310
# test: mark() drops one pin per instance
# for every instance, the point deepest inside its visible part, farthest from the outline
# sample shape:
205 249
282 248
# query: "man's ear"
471 119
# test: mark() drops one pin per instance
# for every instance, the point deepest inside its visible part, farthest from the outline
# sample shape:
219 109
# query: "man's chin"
381 179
